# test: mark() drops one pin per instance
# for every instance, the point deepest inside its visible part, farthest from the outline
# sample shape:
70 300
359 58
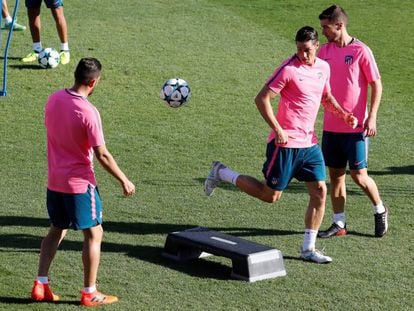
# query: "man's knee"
360 177
271 196
318 191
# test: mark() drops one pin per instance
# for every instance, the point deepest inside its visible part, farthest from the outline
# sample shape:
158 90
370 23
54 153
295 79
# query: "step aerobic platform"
250 261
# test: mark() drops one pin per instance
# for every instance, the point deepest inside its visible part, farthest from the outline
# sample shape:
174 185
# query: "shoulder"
326 47
360 46
286 67
289 62
319 62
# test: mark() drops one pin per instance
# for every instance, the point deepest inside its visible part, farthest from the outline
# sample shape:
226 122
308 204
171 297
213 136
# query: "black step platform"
250 261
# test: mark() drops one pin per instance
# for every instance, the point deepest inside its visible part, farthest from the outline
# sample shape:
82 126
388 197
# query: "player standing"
353 69
33 13
74 136
292 150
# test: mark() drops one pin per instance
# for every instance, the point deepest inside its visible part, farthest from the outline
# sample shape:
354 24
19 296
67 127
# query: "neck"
344 40
81 90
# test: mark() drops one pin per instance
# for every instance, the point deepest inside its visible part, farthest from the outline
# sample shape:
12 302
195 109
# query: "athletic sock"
37 47
228 175
340 219
309 239
89 290
379 208
43 279
8 20
64 46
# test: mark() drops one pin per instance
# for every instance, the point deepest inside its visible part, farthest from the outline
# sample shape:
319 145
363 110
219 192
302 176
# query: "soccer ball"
49 58
175 92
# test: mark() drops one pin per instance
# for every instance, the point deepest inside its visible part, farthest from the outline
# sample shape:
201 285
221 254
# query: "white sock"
340 219
43 279
37 46
8 20
379 208
64 46
309 239
228 175
89 290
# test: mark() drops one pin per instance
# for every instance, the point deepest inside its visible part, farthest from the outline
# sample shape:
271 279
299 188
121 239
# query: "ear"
92 83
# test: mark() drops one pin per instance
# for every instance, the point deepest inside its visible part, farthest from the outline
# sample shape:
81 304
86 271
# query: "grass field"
225 49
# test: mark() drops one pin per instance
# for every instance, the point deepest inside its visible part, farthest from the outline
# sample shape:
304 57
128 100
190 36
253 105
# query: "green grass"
225 49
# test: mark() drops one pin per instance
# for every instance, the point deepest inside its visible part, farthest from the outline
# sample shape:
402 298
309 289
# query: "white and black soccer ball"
175 92
49 58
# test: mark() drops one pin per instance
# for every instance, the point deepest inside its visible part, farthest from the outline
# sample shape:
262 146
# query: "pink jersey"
353 67
301 88
73 127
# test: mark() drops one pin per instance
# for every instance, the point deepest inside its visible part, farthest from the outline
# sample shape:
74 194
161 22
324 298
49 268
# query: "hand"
370 127
128 188
351 120
281 138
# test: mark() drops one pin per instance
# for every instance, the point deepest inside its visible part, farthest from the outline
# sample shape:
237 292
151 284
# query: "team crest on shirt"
349 59
319 74
274 181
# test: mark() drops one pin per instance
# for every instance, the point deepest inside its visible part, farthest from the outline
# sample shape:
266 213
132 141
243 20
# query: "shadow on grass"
394 170
140 228
11 58
366 235
28 301
198 268
27 66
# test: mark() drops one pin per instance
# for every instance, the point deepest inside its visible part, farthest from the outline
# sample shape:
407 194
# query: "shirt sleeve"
369 65
94 129
327 86
278 80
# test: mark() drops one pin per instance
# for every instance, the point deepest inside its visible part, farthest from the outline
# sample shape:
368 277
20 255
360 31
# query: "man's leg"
257 189
48 249
368 185
313 219
91 255
8 19
338 199
62 30
248 184
338 189
35 25
316 207
61 25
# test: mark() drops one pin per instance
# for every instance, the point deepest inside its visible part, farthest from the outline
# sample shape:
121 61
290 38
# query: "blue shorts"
282 164
77 211
339 149
50 4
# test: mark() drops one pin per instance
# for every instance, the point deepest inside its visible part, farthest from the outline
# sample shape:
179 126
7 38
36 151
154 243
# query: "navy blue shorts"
340 149
51 4
282 164
77 211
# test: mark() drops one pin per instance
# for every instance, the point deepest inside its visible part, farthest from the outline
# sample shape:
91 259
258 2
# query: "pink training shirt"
301 88
73 128
353 67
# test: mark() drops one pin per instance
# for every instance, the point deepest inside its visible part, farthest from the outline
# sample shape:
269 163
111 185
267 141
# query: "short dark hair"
334 13
88 69
306 33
